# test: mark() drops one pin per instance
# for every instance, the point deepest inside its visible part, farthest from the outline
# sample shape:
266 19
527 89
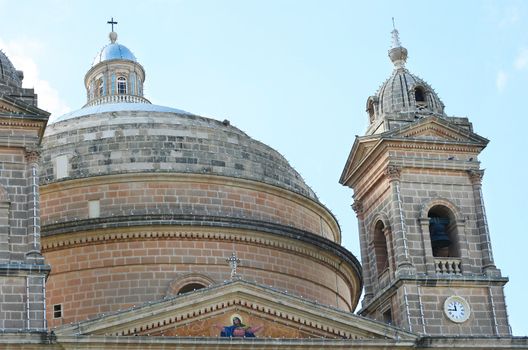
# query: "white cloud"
20 53
521 61
502 79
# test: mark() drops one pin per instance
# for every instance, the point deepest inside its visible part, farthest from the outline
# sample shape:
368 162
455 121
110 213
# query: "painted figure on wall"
238 329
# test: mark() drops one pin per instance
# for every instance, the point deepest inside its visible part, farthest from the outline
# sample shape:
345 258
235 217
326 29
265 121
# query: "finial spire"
112 22
397 53
233 263
112 35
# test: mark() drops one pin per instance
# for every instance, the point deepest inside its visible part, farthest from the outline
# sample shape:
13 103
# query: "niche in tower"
443 232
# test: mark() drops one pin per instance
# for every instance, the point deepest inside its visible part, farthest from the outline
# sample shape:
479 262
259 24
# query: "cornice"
294 242
318 208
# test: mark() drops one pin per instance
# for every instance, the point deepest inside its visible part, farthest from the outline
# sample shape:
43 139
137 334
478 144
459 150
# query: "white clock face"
456 309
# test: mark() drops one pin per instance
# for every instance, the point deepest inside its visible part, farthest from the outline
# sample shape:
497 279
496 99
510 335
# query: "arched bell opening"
443 232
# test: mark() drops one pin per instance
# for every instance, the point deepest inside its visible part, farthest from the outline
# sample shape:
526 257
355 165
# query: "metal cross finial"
233 263
112 22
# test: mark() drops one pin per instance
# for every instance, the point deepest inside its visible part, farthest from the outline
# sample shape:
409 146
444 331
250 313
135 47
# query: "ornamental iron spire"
112 35
397 53
233 263
112 22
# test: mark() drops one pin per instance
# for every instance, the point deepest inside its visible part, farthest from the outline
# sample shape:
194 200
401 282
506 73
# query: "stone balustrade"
448 266
117 99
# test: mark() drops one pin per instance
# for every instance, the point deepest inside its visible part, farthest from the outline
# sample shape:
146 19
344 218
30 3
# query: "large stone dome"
124 138
140 201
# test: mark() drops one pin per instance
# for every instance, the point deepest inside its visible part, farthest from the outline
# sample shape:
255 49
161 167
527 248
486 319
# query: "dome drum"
134 266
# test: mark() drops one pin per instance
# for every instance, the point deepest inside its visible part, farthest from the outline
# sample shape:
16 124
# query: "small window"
121 86
61 166
190 287
387 316
57 311
94 209
419 94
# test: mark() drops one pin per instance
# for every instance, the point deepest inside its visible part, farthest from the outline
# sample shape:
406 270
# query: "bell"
437 229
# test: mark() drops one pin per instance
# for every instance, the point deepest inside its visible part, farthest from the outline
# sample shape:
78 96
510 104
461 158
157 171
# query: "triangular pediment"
428 133
264 311
437 129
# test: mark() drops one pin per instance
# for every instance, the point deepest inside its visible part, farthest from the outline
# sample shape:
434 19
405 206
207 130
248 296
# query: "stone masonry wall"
173 195
98 278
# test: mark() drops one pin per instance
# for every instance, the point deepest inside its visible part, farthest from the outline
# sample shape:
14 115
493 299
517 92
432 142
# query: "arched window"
99 87
443 232
190 287
380 248
121 86
419 95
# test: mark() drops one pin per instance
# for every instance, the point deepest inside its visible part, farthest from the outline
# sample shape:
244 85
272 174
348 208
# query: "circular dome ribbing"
8 74
405 92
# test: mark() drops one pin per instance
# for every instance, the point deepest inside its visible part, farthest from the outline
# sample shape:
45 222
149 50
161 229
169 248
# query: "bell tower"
425 245
23 271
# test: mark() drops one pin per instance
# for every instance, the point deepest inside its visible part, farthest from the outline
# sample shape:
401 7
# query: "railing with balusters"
117 99
448 266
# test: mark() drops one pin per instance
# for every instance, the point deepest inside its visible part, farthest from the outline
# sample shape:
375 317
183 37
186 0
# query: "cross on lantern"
112 22
233 263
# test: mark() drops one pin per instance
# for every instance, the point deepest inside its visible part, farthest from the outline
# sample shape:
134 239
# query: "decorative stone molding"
357 206
393 172
32 155
475 176
179 283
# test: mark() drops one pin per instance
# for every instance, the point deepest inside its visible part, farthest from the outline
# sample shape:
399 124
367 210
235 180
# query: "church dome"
404 92
114 51
403 97
8 74
135 137
115 76
163 197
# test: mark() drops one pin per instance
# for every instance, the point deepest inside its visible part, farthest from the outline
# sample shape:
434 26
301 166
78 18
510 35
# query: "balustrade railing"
117 99
448 266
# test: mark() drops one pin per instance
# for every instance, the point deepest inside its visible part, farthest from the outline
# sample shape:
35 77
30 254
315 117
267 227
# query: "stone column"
4 226
33 205
430 265
488 264
399 234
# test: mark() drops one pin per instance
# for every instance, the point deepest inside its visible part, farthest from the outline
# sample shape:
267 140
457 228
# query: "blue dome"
114 51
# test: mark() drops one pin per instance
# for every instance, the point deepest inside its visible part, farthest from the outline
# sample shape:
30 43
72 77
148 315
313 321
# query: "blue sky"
296 75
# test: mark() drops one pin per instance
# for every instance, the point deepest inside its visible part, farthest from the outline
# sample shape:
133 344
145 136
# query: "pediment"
265 311
437 129
13 107
427 133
